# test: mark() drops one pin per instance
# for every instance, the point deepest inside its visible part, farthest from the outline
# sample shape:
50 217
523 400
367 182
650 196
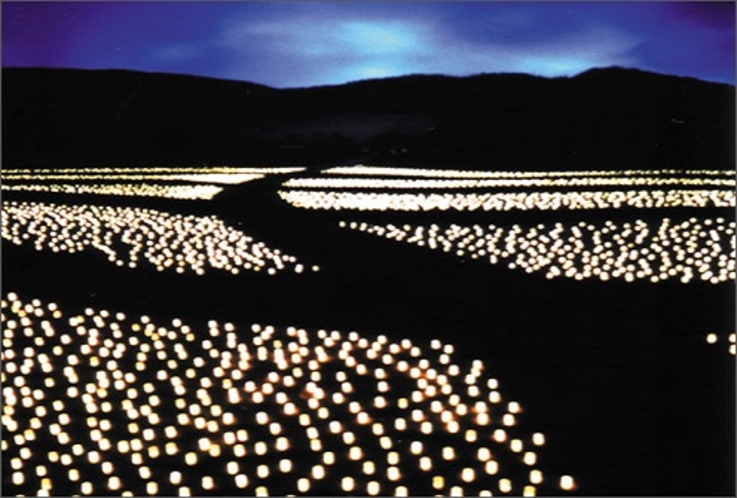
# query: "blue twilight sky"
291 44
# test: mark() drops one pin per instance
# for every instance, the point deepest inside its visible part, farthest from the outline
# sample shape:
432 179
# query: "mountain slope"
603 118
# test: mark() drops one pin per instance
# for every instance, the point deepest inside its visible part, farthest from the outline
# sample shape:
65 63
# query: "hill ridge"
601 118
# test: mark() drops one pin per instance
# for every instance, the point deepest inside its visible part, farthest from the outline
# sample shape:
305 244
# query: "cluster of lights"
450 173
684 250
712 338
99 403
393 183
508 201
189 192
129 235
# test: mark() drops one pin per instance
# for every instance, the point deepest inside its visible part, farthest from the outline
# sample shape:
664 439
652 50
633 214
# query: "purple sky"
288 44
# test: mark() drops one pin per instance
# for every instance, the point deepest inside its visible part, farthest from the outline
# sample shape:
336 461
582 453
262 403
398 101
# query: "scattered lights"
712 338
257 449
129 236
702 249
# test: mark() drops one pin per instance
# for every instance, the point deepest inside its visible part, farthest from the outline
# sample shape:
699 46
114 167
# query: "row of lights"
712 338
131 235
96 402
171 170
394 183
221 178
702 249
451 173
189 192
508 201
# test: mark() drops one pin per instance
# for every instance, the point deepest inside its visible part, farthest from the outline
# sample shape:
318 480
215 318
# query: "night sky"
313 43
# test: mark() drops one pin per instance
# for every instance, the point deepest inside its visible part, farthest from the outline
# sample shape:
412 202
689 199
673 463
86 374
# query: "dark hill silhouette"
600 119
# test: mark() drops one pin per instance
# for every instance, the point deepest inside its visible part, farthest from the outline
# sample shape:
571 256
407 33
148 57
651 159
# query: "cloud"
592 47
327 38
316 50
310 50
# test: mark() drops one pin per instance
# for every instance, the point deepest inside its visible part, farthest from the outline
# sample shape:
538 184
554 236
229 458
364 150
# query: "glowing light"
536 477
538 439
347 484
567 483
505 486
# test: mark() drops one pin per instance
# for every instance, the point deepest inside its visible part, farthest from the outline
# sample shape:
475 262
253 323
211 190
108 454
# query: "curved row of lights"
712 338
129 236
450 173
188 192
693 249
394 183
96 403
507 201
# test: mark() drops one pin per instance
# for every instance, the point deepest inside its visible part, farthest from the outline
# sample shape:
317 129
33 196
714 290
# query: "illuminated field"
508 201
368 188
130 236
684 250
96 402
190 192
